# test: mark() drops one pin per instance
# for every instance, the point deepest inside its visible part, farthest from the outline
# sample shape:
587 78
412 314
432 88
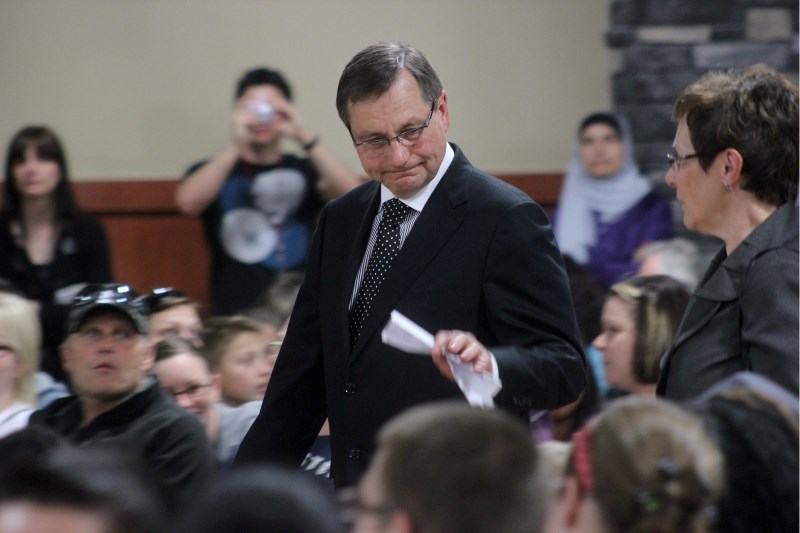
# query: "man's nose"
398 152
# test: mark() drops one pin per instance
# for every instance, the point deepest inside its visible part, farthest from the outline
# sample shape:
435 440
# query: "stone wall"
660 46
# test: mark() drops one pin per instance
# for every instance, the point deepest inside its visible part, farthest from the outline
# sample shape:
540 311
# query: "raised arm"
336 178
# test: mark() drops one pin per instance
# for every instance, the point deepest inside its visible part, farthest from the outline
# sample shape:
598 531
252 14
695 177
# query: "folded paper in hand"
405 335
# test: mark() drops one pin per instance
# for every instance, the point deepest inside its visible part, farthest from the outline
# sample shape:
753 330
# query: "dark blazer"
481 257
743 315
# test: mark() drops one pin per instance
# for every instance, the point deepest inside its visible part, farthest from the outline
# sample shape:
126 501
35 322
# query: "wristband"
311 144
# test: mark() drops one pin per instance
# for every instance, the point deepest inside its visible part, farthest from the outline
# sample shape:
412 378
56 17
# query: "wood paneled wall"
153 245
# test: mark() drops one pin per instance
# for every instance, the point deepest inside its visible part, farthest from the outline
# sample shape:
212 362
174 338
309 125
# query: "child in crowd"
239 355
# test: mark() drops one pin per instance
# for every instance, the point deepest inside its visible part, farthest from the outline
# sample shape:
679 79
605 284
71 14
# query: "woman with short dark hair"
734 166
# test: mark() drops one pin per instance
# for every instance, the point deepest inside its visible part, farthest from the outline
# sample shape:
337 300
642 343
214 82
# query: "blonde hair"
659 302
20 329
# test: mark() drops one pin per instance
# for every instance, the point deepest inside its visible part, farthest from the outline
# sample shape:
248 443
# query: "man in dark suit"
478 265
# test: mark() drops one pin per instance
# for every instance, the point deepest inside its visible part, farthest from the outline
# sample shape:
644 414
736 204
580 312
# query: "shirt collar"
418 201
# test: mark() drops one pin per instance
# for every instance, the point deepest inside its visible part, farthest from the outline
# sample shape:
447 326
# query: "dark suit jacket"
743 315
481 257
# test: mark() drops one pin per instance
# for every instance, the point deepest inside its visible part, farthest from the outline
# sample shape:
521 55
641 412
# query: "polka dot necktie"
387 245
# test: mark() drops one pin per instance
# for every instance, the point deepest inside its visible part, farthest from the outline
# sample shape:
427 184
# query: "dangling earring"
727 187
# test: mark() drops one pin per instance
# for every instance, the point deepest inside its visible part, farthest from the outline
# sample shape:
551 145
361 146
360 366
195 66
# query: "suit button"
354 455
350 388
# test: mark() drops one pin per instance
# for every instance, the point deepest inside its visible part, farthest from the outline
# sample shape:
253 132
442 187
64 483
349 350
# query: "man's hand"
463 345
242 120
289 122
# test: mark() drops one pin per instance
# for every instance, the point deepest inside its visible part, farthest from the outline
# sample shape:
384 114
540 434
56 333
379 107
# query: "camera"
262 111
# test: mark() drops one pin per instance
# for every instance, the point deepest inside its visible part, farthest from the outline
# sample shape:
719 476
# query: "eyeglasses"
378 147
192 391
156 298
675 160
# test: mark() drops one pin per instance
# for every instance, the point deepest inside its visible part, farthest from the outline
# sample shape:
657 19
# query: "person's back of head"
757 431
101 489
262 499
446 467
679 258
642 466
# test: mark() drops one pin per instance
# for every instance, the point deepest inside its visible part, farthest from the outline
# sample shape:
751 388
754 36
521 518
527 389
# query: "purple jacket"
611 257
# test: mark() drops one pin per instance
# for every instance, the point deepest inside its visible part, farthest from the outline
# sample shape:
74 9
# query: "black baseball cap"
114 296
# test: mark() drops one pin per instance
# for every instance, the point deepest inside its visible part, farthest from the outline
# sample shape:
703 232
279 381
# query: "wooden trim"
127 197
153 244
156 196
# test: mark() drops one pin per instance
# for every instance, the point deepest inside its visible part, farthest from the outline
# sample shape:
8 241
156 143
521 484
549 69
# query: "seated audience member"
262 499
75 490
184 374
607 210
46 388
173 314
642 465
445 467
239 355
754 422
116 404
678 258
48 245
640 318
20 339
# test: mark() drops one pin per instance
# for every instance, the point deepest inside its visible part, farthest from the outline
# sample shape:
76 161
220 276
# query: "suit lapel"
369 202
717 286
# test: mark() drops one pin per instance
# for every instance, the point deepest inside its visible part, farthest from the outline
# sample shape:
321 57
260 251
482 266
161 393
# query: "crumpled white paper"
405 335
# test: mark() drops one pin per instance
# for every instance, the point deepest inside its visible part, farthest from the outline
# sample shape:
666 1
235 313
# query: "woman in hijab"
607 210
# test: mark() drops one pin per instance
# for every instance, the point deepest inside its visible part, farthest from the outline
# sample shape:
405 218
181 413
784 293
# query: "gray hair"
680 259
